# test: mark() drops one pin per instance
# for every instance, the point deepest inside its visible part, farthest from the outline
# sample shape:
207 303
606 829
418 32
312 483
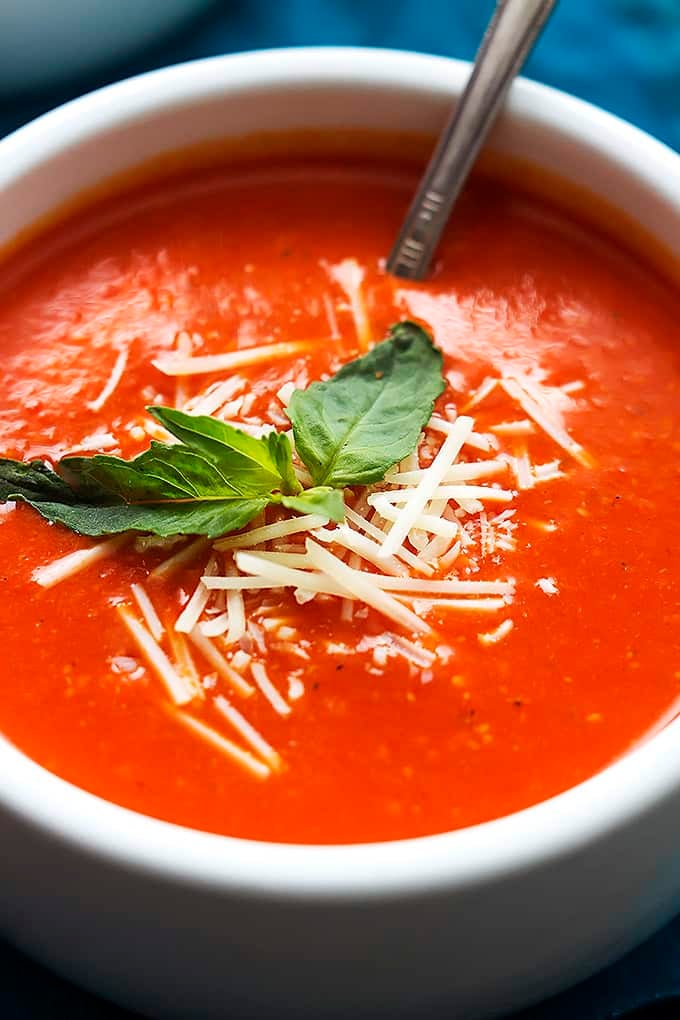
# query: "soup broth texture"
496 619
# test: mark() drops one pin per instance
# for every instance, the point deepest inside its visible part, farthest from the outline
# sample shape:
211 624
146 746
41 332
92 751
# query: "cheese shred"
73 563
111 383
361 585
220 664
178 560
492 637
426 488
175 685
261 678
250 735
247 761
191 613
177 364
148 611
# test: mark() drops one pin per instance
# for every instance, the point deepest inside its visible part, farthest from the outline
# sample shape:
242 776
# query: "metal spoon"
512 32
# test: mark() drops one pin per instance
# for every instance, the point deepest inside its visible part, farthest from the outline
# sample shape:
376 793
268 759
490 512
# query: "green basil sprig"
348 431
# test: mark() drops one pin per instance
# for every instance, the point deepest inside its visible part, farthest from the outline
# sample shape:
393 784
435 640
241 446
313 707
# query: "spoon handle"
513 30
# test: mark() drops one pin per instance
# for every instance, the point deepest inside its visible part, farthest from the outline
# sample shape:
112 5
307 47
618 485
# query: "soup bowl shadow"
177 923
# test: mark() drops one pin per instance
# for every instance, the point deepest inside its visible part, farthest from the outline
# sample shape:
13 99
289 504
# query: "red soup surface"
309 717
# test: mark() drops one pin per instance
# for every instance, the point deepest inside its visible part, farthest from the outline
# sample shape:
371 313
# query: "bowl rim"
640 781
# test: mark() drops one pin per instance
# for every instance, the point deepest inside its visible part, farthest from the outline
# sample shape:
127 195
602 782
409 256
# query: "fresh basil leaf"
320 500
31 479
212 518
161 473
251 465
96 510
281 453
353 428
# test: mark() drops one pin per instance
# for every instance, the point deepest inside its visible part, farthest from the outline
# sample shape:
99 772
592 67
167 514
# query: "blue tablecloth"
623 55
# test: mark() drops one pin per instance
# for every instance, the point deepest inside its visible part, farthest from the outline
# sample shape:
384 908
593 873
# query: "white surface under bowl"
178 923
43 41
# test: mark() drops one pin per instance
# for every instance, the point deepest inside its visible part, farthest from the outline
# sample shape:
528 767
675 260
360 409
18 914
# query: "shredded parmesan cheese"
296 688
425 522
219 663
286 392
258 536
191 613
426 488
236 613
257 634
174 364
216 396
178 690
522 469
213 628
148 611
403 554
331 316
271 568
261 678
549 472
467 472
270 574
184 663
545 418
179 559
250 735
230 750
364 547
573 387
513 428
547 585
287 559
419 656
485 441
350 276
184 348
492 637
240 660
362 586
459 493
486 389
423 605
73 563
111 383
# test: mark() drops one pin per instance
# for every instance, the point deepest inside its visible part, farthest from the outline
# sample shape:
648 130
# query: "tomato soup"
546 551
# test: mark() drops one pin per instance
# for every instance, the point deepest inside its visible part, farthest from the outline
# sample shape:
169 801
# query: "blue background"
623 55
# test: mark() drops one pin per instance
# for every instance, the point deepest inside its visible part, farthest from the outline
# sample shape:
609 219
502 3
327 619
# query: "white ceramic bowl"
178 923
